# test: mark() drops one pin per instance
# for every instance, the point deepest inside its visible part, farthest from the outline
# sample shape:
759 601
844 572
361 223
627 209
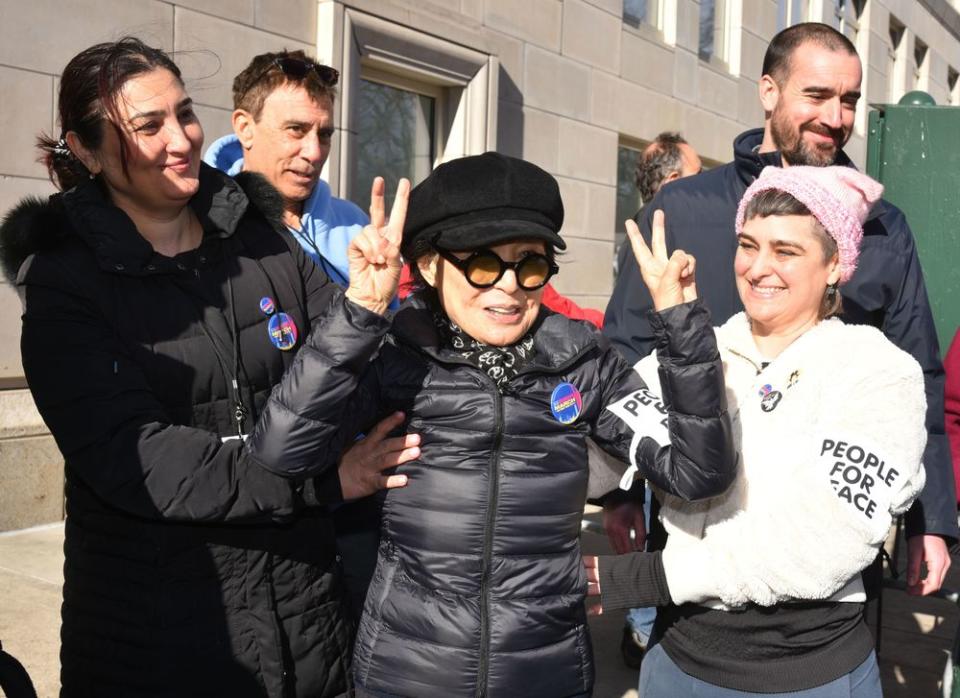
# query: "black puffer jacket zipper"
492 496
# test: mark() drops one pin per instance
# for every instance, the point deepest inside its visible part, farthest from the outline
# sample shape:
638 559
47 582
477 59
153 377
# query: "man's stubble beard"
795 150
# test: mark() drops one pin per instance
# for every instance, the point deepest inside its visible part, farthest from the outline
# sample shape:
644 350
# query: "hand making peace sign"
670 280
374 254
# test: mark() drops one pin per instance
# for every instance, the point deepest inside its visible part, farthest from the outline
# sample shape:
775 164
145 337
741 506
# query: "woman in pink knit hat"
761 586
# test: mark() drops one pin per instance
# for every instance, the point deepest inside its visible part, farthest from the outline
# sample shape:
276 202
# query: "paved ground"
917 633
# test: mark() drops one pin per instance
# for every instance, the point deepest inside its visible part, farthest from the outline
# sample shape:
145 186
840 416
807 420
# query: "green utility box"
913 148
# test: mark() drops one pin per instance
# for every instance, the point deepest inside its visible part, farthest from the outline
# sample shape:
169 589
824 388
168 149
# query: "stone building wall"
563 83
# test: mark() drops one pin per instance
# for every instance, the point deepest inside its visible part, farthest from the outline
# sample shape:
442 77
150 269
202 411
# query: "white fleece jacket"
831 435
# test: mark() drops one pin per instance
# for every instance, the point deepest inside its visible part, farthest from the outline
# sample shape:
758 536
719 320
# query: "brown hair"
776 61
88 97
774 202
258 80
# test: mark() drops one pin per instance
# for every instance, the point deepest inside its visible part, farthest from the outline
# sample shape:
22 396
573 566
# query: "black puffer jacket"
190 570
479 585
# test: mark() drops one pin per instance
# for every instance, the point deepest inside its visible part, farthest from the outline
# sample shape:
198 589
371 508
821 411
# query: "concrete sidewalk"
31 578
917 633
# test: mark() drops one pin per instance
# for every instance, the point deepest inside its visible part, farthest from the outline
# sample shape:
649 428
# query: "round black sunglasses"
484 268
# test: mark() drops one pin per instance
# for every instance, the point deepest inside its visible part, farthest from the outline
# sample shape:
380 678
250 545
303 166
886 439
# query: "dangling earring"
831 291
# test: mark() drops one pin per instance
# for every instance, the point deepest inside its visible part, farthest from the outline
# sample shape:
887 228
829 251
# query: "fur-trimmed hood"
85 212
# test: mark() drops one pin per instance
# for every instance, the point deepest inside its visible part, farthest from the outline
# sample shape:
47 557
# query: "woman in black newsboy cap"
479 588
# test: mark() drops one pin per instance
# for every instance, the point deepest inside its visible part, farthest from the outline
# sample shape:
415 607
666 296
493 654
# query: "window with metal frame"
921 65
408 101
397 130
847 14
896 73
712 42
628 198
649 12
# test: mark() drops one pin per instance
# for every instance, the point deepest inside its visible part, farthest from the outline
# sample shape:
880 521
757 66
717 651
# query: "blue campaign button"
283 331
566 403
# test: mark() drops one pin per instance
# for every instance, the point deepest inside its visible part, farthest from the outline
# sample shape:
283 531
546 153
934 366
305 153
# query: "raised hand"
670 280
374 254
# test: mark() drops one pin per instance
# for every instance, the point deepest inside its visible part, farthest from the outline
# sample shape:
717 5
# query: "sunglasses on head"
298 69
484 268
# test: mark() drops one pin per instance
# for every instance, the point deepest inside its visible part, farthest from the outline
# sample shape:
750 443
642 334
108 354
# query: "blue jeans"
640 620
661 678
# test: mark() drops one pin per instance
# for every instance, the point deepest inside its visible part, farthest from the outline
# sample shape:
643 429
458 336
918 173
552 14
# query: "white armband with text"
645 414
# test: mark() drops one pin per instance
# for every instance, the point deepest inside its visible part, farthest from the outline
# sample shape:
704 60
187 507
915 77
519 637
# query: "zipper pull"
239 411
238 414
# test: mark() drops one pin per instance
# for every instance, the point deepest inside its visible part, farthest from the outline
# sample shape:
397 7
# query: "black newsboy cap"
483 200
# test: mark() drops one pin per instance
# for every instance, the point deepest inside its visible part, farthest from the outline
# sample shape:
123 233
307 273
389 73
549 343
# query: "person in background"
479 586
283 129
667 158
809 90
762 585
283 125
161 303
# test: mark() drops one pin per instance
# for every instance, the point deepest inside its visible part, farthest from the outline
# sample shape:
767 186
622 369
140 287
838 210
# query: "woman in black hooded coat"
161 304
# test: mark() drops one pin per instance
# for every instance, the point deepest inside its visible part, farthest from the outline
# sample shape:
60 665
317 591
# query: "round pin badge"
566 403
769 398
267 305
283 331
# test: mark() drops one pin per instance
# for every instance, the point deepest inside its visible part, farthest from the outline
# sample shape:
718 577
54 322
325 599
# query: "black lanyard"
328 268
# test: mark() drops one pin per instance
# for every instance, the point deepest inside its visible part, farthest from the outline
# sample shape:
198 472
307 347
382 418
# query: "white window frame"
465 79
921 68
896 62
665 27
790 12
729 33
846 17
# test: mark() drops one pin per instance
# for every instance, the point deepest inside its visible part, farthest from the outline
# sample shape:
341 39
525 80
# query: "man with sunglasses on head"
283 126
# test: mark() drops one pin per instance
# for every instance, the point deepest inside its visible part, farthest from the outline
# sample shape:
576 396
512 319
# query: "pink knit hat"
839 197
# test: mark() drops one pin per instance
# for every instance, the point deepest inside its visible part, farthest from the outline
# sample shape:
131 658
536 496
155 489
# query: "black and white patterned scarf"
500 363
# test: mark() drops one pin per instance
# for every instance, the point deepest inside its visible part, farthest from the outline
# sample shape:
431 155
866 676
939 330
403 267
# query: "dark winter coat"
479 586
190 570
887 291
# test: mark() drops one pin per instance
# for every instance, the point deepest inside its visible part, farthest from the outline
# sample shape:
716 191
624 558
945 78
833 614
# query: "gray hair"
658 161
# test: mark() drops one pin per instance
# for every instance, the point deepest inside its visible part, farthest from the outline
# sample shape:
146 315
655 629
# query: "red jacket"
951 404
551 299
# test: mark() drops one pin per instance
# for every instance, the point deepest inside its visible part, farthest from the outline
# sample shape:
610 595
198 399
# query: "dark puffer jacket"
190 570
479 586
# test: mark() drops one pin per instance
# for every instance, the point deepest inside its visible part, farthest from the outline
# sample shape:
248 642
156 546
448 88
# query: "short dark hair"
773 202
257 81
658 161
776 61
88 100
